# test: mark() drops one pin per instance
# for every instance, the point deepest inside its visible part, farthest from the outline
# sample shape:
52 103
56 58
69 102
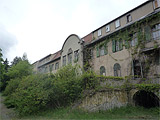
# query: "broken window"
117 69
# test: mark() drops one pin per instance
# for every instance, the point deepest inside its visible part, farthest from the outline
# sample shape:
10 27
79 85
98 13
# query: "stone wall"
105 99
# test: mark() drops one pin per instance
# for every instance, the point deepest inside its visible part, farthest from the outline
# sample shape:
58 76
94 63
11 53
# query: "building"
129 45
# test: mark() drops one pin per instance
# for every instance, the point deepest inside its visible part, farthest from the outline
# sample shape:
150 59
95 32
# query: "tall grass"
123 113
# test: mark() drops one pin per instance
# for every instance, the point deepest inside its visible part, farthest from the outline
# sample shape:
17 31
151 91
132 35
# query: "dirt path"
5 113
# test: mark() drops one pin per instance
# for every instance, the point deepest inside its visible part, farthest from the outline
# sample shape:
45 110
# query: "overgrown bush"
89 80
67 86
32 94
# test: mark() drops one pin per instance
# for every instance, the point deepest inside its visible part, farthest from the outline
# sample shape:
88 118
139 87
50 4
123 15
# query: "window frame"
117 70
129 18
117 23
155 31
64 60
99 32
117 45
102 70
70 56
107 28
57 66
76 55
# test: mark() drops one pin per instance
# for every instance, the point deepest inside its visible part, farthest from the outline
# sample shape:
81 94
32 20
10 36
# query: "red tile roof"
87 38
57 55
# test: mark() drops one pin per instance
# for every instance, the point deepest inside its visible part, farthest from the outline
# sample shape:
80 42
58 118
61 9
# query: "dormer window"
156 4
107 28
117 23
129 18
99 32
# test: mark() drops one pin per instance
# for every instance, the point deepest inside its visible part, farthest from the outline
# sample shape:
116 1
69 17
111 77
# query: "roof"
87 38
123 14
102 38
57 55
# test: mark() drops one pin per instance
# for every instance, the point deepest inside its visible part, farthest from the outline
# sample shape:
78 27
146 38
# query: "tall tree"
24 57
16 60
1 69
6 65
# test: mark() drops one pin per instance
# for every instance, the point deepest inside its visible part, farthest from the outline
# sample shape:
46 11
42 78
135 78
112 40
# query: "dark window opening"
102 70
157 57
146 99
137 69
117 69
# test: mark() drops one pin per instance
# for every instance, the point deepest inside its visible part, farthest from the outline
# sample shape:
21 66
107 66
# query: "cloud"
7 41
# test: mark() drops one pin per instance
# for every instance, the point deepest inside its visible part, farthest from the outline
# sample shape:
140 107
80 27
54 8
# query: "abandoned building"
129 45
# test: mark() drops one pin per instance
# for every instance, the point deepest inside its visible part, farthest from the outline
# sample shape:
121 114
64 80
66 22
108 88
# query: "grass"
123 113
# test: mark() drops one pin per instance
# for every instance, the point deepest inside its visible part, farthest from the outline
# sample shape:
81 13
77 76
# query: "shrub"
67 86
32 94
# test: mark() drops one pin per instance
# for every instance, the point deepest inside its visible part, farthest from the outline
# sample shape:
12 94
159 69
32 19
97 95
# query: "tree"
6 65
15 75
16 60
24 57
5 77
1 68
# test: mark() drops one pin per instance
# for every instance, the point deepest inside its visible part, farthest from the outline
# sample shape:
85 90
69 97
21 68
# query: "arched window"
117 69
70 56
102 70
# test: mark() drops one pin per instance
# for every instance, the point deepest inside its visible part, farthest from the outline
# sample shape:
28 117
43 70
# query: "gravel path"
5 113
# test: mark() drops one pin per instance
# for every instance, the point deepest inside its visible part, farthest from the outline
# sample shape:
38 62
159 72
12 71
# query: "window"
107 28
117 69
102 70
157 57
70 56
136 68
46 69
117 45
51 68
57 66
102 50
134 40
156 4
147 30
76 55
156 32
117 23
91 53
64 60
129 18
99 32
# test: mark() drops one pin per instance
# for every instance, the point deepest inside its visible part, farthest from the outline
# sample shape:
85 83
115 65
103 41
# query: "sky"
40 27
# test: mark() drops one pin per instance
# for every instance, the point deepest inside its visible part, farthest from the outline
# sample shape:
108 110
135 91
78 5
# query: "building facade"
129 45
